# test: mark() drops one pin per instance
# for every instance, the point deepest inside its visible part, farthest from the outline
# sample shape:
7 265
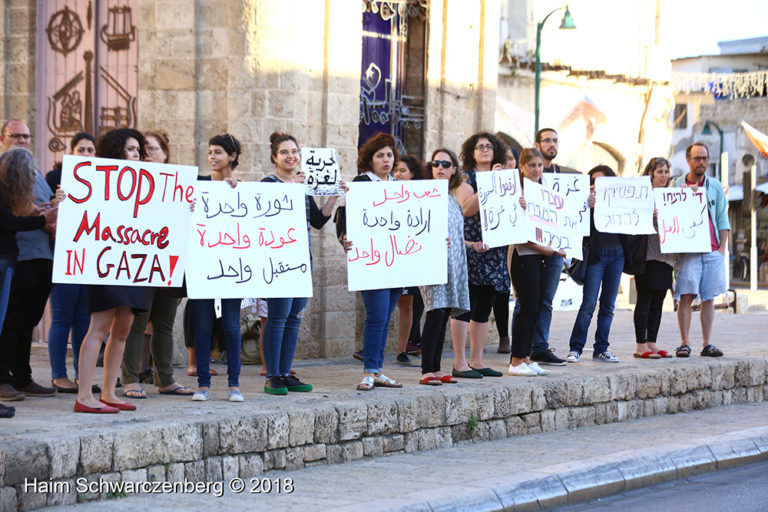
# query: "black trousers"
526 274
501 313
433 339
648 314
30 287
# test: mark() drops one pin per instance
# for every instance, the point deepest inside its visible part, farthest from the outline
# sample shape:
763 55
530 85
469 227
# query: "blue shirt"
36 244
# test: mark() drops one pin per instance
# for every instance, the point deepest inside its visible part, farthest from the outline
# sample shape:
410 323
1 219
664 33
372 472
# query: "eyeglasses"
699 158
484 147
22 136
151 150
447 164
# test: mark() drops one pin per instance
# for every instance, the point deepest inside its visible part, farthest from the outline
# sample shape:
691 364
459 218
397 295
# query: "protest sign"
323 177
249 241
502 219
123 222
682 219
398 230
553 219
624 205
571 185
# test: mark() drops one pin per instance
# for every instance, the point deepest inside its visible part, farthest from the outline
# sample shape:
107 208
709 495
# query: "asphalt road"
744 489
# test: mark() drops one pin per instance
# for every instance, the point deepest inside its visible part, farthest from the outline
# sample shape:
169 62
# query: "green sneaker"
294 384
275 386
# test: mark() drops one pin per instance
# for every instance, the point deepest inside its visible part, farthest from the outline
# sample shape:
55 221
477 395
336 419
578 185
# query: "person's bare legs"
192 365
113 354
684 317
459 331
405 321
477 334
707 320
89 353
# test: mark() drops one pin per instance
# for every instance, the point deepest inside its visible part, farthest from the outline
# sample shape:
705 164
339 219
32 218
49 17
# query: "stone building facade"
249 67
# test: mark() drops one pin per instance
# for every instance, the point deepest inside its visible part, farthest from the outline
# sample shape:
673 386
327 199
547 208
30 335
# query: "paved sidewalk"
518 473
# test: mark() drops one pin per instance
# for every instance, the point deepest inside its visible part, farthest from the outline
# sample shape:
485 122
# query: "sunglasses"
447 164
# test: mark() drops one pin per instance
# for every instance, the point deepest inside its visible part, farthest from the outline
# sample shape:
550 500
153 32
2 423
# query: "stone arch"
615 154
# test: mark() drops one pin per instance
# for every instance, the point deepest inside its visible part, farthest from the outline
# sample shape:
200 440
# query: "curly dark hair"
468 150
276 139
162 138
17 177
375 143
414 165
230 144
111 144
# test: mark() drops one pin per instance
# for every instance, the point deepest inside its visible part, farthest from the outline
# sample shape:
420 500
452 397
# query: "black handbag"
340 219
578 268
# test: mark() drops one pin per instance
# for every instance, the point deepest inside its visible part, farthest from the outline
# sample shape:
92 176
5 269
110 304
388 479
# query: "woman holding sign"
487 267
526 271
376 159
653 275
223 156
605 262
451 299
281 332
112 308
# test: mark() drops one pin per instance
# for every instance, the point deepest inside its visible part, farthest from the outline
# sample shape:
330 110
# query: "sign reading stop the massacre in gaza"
123 222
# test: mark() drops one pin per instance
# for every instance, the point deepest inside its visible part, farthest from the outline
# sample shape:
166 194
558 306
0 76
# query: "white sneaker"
522 370
539 370
235 396
573 357
201 395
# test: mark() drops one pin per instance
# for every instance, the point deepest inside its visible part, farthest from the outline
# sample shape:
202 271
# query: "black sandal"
711 351
683 351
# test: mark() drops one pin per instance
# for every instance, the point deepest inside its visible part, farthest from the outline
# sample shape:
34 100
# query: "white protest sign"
624 205
123 222
553 219
571 185
249 241
320 165
682 219
398 230
502 219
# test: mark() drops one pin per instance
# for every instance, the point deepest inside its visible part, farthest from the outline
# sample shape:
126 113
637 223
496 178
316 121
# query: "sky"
694 27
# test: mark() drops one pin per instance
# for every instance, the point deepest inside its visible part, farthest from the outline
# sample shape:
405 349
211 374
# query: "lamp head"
567 23
707 130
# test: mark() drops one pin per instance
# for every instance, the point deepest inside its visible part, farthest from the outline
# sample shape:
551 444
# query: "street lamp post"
566 24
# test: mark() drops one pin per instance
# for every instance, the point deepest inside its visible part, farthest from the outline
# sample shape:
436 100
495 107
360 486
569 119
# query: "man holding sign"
702 274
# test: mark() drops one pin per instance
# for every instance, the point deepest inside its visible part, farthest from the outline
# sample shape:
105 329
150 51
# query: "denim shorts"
700 274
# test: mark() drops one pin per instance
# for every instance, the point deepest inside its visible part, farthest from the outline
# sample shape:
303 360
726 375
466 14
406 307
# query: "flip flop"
431 381
447 379
180 390
647 355
383 381
138 394
664 353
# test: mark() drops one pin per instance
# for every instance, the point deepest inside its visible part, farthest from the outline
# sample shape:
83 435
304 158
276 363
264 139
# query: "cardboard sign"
553 219
683 220
624 205
398 230
249 241
323 177
502 219
571 186
123 222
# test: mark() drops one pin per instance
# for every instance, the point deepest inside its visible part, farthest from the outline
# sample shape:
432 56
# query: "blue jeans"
379 305
550 279
607 272
281 333
69 311
6 276
230 320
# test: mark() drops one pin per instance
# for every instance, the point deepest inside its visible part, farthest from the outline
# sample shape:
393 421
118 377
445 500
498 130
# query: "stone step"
179 440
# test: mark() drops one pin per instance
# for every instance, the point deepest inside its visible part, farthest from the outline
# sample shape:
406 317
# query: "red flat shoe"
106 409
431 381
123 406
447 379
